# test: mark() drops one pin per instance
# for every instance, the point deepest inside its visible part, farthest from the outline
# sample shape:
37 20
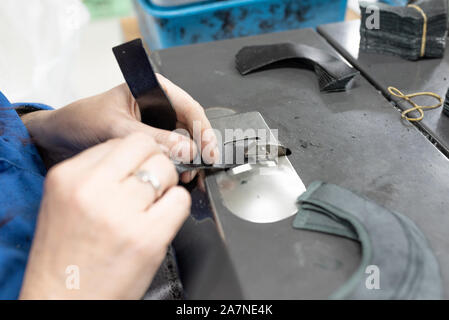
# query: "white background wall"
50 51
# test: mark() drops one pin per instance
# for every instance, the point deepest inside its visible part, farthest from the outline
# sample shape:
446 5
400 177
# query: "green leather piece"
390 241
315 219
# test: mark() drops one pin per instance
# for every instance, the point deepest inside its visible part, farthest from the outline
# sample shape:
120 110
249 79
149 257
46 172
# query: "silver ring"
147 177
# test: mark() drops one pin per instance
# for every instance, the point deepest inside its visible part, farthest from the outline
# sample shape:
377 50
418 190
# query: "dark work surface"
408 76
354 139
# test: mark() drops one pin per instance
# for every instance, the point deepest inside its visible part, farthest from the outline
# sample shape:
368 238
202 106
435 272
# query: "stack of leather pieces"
413 32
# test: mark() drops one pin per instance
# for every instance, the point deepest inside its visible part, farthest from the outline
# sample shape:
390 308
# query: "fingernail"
216 154
182 151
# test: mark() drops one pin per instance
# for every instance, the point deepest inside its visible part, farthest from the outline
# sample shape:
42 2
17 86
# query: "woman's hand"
65 132
97 218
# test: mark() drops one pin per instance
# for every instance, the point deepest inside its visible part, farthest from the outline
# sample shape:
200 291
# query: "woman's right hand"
100 223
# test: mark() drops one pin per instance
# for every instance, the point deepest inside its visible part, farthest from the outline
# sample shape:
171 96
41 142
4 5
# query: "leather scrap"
332 72
408 269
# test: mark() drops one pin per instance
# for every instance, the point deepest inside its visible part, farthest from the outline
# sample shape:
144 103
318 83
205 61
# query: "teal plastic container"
217 20
395 2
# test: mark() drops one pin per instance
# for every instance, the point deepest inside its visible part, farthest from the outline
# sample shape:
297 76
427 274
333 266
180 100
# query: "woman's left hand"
64 132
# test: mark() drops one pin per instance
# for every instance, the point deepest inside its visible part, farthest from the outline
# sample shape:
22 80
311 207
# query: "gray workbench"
408 76
354 139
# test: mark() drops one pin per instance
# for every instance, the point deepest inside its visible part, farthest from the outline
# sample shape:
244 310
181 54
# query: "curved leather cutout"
390 241
155 107
332 72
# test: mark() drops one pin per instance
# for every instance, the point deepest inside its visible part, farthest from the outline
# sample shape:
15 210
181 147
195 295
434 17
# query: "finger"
127 156
209 147
201 181
191 113
180 125
182 102
180 147
188 176
170 212
144 193
93 155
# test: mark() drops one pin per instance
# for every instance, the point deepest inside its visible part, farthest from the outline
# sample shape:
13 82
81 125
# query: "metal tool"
252 153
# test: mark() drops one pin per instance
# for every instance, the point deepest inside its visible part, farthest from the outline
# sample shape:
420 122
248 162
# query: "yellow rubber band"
424 27
407 97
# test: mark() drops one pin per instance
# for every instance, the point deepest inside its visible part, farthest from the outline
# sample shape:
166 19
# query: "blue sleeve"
22 174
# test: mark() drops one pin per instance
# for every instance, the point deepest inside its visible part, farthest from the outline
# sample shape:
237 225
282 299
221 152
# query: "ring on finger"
146 177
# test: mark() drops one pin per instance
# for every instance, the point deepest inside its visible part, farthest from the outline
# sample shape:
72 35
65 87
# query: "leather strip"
155 107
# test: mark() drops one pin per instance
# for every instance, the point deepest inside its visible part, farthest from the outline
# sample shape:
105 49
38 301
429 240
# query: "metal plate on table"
262 192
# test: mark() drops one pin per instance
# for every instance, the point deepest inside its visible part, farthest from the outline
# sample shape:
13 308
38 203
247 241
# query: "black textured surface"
166 284
408 76
354 139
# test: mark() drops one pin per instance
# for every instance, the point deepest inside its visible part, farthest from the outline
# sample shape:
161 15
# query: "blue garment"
22 174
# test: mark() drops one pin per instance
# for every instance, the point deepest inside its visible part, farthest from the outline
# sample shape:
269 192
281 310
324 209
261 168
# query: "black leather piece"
155 107
332 72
